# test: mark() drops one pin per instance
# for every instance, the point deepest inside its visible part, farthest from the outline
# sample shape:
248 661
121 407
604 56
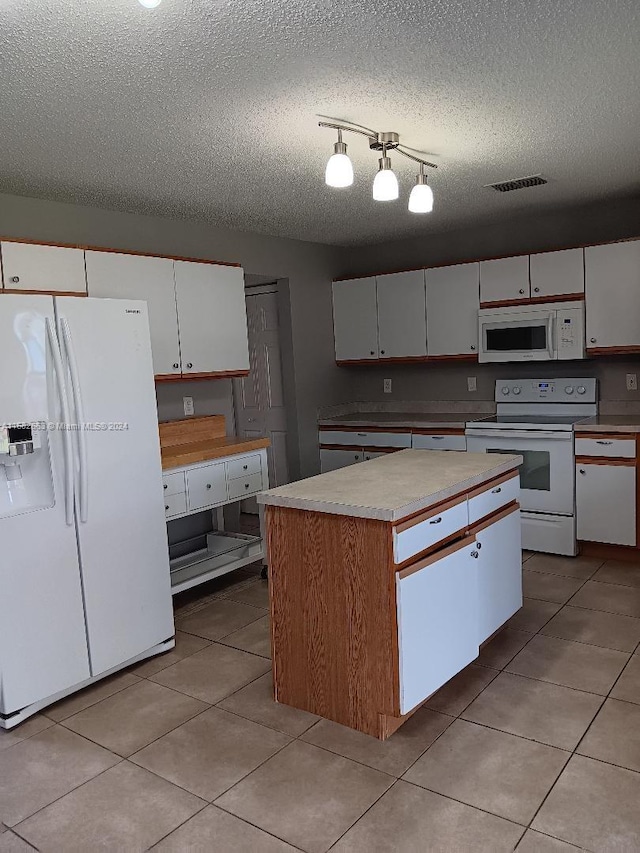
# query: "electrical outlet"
188 405
472 383
632 381
387 386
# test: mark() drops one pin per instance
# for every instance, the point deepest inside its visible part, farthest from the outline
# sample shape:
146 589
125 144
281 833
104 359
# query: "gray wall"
306 268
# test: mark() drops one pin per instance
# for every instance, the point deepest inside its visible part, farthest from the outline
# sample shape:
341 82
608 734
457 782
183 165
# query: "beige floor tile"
254 638
411 820
37 771
213 673
463 688
494 771
124 809
256 702
186 644
571 567
231 835
577 665
614 735
620 572
612 598
90 696
546 587
595 627
198 597
392 756
10 843
211 753
131 719
306 796
627 686
503 648
536 842
33 726
218 619
255 594
548 713
595 806
533 615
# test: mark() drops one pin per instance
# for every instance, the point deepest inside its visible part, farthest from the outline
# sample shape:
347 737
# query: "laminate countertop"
392 487
404 420
609 423
193 452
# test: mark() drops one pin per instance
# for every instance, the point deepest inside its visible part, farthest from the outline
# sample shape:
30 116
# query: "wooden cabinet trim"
44 292
607 436
479 526
408 360
595 351
425 515
629 462
338 428
535 300
188 377
433 558
439 431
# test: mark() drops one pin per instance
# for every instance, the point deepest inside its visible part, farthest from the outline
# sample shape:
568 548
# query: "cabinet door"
117 276
331 460
504 280
606 503
55 269
212 318
557 274
453 300
355 319
402 321
437 622
499 573
612 286
206 485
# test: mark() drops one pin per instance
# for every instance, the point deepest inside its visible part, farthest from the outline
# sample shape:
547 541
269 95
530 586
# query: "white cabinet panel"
355 319
499 549
28 266
173 484
245 486
212 318
437 623
426 533
402 322
365 439
243 466
556 274
206 486
489 501
606 503
175 505
453 300
439 442
331 460
120 276
624 448
612 286
504 279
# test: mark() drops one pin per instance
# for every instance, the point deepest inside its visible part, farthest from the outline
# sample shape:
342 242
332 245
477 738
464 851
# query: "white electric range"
536 418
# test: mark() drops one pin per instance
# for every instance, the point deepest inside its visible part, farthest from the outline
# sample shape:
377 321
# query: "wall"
306 268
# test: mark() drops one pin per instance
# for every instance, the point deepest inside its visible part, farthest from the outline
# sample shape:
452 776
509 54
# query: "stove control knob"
505 390
517 389
569 389
581 389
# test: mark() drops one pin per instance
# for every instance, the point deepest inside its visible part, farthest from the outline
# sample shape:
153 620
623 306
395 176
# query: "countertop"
407 420
200 451
610 423
392 487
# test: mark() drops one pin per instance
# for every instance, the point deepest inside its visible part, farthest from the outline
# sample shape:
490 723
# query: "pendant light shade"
149 4
385 183
421 198
339 171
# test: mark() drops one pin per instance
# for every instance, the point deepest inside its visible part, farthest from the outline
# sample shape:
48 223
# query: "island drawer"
244 466
484 501
173 484
175 505
362 438
245 486
622 448
439 442
418 534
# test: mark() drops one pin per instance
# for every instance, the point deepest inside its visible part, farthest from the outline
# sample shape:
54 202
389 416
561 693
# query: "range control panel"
574 390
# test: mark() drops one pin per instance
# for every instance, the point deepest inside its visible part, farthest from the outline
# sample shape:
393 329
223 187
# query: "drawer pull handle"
436 520
496 491
475 555
604 442
244 467
362 434
478 545
582 471
437 437
208 485
175 365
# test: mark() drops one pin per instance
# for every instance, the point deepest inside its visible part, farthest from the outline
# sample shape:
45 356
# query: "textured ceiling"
207 108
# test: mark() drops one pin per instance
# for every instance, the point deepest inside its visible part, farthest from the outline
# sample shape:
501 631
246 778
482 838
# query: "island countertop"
394 486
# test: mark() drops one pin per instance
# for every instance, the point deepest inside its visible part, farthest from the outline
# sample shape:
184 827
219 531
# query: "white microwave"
542 332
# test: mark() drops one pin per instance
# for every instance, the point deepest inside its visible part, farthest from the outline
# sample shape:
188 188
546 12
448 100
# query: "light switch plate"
188 405
472 383
387 386
632 381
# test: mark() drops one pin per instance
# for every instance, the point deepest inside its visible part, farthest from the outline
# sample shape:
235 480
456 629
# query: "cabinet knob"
521 290
246 485
536 290
244 467
189 365
176 365
166 486
582 471
208 485
478 545
356 457
15 279
472 347
166 508
593 340
371 352
475 555
381 352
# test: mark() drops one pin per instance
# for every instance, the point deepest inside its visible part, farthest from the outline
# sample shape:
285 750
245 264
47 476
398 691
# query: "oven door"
517 336
547 475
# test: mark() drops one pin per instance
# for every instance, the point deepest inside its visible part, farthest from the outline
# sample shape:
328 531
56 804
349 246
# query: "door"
331 460
402 320
119 276
504 280
43 646
437 622
517 336
29 266
259 397
612 286
122 533
453 300
557 274
212 318
606 503
355 319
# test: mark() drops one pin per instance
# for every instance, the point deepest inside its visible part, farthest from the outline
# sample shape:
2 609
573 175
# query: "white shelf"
224 553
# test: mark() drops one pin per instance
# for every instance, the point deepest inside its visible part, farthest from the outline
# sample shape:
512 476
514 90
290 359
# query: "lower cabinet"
206 485
606 503
331 460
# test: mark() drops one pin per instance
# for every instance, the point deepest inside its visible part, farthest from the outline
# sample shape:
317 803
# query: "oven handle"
550 348
520 433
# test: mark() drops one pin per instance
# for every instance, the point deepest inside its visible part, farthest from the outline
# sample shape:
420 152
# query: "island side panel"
333 616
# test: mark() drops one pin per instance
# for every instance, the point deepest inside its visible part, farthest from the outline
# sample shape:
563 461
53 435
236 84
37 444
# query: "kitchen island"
386 578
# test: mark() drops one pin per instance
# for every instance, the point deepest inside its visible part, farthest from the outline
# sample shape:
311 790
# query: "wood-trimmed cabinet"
41 268
612 277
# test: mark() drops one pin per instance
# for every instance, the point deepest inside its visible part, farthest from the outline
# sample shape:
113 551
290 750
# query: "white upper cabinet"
119 276
612 279
355 319
402 322
505 279
212 318
453 299
54 269
556 274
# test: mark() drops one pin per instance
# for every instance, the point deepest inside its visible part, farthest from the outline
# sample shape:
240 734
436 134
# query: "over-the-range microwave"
543 332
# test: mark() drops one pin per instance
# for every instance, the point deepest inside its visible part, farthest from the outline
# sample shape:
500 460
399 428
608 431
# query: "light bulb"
385 183
421 199
149 4
339 171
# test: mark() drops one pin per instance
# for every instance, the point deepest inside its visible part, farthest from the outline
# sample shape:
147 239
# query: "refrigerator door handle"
64 406
80 426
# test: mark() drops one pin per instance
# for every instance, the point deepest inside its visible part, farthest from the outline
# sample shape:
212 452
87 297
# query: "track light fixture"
339 171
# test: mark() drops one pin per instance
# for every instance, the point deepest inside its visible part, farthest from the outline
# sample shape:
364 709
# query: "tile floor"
535 746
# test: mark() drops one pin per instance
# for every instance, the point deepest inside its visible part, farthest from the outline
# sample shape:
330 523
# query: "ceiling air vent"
518 184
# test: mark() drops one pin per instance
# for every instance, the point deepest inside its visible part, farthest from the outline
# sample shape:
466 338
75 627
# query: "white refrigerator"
84 566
